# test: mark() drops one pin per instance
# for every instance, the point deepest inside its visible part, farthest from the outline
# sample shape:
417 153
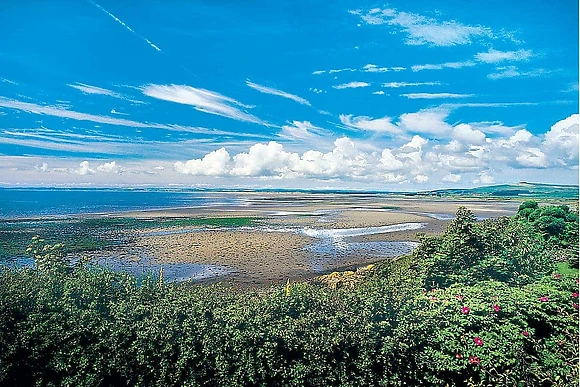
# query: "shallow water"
337 233
172 272
330 252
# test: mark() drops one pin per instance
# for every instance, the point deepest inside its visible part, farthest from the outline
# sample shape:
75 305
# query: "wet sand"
260 256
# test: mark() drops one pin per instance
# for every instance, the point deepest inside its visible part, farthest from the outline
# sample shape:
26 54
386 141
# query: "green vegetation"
90 234
519 191
483 304
558 225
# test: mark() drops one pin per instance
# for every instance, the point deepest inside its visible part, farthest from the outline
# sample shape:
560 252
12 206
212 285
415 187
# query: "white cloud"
113 111
561 141
111 167
88 89
8 81
430 121
371 68
383 125
318 72
421 30
513 72
84 169
315 90
202 100
455 153
485 178
380 92
74 115
486 104
441 66
466 134
333 71
495 56
532 157
435 95
269 90
43 167
352 85
150 43
215 163
407 84
451 178
302 131
264 160
421 179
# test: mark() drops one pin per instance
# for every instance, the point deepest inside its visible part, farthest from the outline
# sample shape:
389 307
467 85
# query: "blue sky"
342 94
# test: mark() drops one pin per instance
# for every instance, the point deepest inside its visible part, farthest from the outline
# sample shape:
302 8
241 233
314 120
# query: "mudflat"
297 236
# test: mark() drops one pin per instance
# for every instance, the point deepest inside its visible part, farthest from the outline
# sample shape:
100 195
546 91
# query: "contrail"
125 25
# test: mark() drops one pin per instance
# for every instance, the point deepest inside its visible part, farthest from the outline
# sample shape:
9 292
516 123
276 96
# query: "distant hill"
519 190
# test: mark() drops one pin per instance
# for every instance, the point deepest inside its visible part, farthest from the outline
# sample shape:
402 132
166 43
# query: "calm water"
30 203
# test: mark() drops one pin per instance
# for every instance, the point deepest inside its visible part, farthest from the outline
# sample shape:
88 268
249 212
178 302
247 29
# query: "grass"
565 269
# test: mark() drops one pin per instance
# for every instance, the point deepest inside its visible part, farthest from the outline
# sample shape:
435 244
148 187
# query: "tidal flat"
264 239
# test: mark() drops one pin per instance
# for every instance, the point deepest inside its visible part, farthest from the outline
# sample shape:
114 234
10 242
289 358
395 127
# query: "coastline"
280 236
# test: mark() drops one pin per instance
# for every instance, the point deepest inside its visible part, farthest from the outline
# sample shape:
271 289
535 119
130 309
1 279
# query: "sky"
288 94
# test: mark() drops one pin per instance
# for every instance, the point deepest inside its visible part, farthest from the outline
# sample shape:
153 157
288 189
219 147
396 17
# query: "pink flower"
575 295
525 333
557 275
478 341
544 299
459 297
474 360
496 308
465 310
433 298
575 305
458 356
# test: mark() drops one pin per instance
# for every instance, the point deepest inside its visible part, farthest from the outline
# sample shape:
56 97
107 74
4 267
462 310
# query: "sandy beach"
296 237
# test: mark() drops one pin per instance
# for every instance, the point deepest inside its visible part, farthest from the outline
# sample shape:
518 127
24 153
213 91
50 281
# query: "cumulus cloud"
562 140
84 169
270 90
352 85
429 121
202 100
111 167
464 150
215 163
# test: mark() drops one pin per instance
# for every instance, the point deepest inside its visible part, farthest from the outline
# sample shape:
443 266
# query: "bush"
479 305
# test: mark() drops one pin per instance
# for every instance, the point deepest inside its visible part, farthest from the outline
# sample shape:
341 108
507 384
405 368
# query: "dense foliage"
482 304
559 226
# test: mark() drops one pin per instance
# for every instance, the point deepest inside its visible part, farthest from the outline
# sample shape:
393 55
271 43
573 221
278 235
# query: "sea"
46 202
